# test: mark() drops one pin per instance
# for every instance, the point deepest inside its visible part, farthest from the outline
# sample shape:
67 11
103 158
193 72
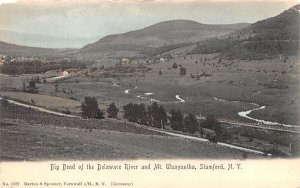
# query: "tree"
211 122
182 71
142 114
56 86
157 115
24 87
160 73
176 120
31 87
128 109
153 112
112 111
135 113
191 124
174 65
90 108
162 116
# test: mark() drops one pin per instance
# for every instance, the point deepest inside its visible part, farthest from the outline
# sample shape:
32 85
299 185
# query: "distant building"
125 61
65 73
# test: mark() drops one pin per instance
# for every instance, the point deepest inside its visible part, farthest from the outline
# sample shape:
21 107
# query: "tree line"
156 116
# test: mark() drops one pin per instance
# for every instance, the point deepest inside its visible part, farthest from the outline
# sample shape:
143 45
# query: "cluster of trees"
211 122
182 70
152 51
198 76
188 123
258 47
90 109
39 66
31 88
154 115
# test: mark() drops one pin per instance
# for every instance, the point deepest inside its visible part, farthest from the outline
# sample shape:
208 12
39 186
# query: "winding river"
245 114
180 100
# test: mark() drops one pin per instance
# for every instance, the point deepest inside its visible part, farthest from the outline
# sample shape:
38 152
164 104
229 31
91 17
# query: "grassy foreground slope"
31 135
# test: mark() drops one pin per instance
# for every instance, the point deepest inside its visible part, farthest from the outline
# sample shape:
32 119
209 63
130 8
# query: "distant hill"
12 49
168 33
263 39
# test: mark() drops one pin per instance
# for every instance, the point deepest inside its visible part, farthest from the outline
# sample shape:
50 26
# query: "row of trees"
28 66
153 115
188 123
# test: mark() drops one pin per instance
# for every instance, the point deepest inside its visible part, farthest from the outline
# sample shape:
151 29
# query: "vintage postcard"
149 93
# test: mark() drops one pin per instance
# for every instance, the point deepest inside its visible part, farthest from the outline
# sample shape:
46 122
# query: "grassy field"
271 83
232 80
50 102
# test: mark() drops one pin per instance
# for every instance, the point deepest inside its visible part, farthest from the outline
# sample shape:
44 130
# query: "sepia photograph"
148 80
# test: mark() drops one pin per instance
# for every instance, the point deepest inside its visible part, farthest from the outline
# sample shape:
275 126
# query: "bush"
67 111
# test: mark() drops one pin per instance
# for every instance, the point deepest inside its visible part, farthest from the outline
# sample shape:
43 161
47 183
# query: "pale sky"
98 18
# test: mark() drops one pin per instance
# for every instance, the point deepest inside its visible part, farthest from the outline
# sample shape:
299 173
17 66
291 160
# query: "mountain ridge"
161 34
275 35
19 50
262 39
